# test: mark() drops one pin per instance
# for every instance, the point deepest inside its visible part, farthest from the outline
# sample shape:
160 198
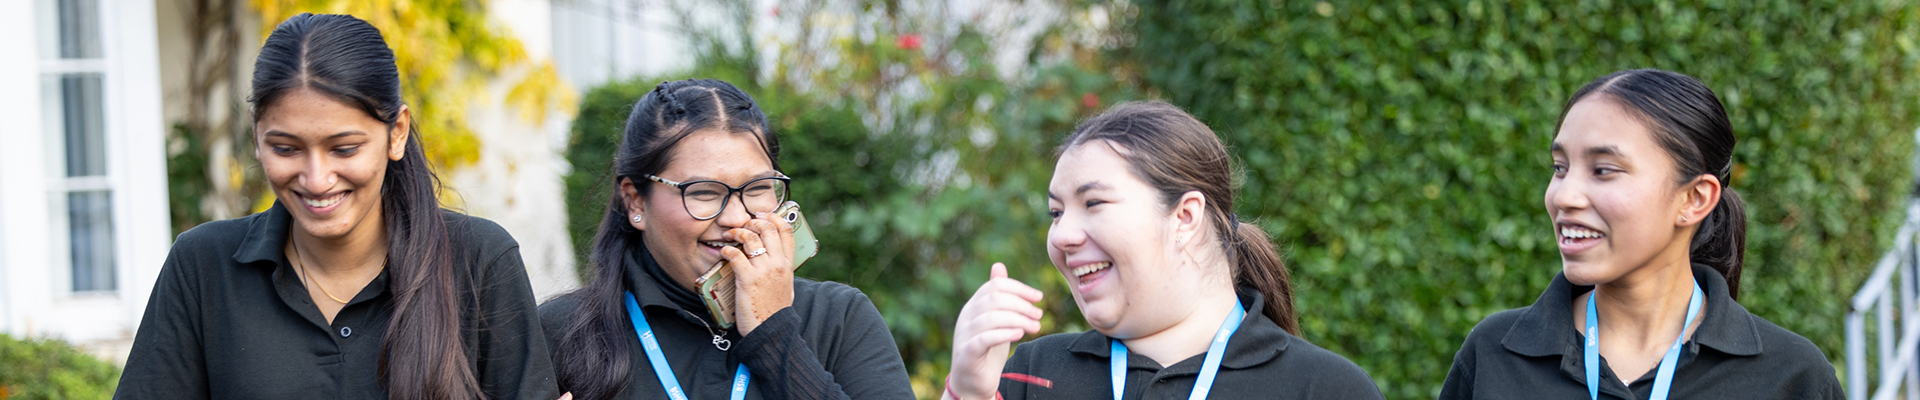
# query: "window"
72 93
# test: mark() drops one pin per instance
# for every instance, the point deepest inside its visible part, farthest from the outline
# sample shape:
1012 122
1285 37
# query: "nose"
1067 234
1566 194
734 213
319 176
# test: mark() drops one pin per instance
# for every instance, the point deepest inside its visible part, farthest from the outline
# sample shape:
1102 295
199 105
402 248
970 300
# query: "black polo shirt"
831 344
229 318
1262 361
1536 352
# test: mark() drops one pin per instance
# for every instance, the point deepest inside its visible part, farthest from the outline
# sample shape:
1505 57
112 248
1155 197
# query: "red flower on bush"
909 41
1090 100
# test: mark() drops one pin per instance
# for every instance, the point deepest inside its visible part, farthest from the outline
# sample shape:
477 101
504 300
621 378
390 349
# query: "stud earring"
636 218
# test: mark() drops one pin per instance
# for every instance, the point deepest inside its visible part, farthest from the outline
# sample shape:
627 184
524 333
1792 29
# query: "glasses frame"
785 184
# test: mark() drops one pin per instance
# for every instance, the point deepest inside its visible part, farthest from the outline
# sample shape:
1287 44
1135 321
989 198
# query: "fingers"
999 271
566 396
1004 319
980 343
781 229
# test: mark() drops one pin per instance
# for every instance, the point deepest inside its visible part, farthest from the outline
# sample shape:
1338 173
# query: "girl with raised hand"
356 284
1651 240
1185 301
696 176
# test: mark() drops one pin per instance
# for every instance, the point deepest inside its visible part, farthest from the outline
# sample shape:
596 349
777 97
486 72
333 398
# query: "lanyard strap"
1209 367
1662 380
665 372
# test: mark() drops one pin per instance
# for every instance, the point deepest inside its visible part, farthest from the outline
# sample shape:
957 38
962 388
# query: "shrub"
1398 149
52 369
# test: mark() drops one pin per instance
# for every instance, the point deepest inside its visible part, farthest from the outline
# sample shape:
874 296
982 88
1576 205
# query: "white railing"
1897 360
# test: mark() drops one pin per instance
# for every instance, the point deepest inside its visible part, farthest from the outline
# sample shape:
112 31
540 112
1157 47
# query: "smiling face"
687 247
326 160
1613 197
1114 240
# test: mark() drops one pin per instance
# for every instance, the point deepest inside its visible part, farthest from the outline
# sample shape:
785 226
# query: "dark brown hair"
344 58
591 352
1691 125
1175 153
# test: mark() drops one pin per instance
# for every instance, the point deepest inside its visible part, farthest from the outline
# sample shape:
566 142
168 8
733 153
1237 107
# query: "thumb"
999 271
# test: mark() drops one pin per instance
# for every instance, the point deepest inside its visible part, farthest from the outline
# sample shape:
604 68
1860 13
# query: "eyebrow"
1083 189
1608 150
333 136
768 174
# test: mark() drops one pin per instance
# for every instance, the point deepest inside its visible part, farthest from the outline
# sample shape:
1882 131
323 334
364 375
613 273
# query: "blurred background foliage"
34 369
1396 150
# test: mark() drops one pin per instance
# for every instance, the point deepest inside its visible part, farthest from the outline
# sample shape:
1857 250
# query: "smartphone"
716 287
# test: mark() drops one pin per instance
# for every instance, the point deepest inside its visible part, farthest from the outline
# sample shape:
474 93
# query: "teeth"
322 203
1578 233
1090 268
720 244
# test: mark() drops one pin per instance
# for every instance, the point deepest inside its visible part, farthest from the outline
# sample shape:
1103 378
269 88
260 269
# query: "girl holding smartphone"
695 178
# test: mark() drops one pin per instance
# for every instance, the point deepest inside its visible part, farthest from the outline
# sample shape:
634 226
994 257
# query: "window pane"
79 28
79 128
90 237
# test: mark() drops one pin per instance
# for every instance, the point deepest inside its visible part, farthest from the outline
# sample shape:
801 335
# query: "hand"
763 284
566 396
1000 313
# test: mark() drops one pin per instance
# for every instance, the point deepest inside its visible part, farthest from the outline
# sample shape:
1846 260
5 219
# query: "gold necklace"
303 272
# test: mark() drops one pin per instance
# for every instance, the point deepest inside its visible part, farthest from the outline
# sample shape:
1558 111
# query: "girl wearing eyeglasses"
696 177
1651 240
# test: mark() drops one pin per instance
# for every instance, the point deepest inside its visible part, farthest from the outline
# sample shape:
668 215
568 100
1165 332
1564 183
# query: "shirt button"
346 331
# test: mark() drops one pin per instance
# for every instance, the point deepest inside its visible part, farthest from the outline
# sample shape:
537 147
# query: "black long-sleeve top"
1261 361
1536 352
831 344
230 319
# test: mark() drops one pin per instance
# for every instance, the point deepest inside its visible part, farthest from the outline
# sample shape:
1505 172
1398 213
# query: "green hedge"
1398 149
52 369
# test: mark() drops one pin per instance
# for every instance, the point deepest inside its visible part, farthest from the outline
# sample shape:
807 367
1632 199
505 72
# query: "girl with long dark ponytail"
267 306
1651 238
1145 234
694 176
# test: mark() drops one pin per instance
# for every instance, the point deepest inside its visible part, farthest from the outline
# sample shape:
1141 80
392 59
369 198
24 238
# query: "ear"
397 137
255 125
1698 199
1189 218
636 205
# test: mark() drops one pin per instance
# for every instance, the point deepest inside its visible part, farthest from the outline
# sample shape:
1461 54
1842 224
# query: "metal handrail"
1893 312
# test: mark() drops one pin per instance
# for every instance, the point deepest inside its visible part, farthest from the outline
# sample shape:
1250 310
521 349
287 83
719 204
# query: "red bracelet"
956 396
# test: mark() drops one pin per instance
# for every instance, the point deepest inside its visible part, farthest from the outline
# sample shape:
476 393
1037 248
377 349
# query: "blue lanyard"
665 372
1209 367
1662 380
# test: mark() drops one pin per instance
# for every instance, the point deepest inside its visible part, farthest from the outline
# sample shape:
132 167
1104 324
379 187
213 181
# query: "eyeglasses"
705 200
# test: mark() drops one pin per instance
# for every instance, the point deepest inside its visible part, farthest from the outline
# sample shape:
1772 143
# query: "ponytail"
1721 240
1257 264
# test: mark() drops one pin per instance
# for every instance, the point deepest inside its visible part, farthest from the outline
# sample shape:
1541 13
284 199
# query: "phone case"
716 287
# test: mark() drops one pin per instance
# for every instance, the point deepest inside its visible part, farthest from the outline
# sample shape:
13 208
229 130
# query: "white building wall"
35 299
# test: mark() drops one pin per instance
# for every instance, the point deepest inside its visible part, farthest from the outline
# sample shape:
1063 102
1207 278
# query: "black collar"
1257 341
263 247
653 287
266 237
1545 328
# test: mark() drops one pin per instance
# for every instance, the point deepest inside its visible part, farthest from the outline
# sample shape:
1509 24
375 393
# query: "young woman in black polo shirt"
1184 299
1652 241
356 284
695 177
